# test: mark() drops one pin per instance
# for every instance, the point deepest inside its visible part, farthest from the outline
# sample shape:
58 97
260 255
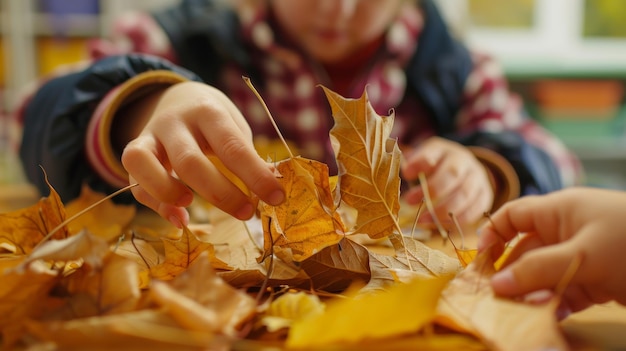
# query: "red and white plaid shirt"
298 105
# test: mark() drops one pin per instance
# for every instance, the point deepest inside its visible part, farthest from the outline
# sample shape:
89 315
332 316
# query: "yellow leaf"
307 220
466 256
289 307
404 308
369 163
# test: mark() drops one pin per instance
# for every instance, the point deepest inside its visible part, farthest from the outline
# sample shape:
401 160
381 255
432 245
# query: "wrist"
112 125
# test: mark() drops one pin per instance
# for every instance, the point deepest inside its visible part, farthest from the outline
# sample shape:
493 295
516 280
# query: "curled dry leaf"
469 305
307 221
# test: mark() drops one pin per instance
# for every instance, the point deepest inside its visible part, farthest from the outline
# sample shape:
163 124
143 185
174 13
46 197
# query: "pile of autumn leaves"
96 282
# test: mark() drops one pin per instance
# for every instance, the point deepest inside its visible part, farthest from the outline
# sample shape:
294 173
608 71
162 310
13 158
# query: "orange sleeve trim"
504 179
99 149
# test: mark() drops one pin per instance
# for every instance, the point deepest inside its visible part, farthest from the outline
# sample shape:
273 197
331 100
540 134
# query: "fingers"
512 218
422 160
457 182
191 122
529 273
193 167
140 160
242 160
178 216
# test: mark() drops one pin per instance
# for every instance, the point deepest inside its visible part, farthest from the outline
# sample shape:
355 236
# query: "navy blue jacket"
204 35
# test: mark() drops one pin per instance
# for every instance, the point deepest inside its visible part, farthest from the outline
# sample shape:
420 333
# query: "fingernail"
245 212
276 198
504 281
176 221
563 312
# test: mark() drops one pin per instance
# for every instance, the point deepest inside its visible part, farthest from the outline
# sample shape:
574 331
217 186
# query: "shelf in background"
68 25
599 149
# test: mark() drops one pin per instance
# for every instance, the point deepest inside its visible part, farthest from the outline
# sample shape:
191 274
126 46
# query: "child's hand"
576 222
188 122
457 182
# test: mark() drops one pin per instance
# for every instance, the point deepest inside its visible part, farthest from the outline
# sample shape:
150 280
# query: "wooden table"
601 327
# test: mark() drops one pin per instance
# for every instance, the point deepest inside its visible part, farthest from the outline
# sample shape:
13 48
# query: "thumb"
542 268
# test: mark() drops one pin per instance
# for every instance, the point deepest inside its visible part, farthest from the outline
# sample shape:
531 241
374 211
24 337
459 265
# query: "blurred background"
566 58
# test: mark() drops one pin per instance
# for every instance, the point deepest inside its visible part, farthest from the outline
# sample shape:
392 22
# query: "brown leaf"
369 163
306 221
338 266
22 230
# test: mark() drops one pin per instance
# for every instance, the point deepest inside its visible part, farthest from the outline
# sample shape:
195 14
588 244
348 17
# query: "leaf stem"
458 227
430 207
249 83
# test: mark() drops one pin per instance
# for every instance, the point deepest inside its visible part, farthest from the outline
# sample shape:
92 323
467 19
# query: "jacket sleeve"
56 118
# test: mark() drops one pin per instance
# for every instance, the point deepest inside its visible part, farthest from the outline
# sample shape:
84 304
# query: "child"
179 97
561 226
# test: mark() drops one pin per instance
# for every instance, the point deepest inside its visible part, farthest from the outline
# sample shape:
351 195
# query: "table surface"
601 327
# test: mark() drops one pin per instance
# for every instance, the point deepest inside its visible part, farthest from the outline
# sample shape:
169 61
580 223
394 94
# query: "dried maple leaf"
369 163
468 304
338 266
107 220
179 254
307 220
22 230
